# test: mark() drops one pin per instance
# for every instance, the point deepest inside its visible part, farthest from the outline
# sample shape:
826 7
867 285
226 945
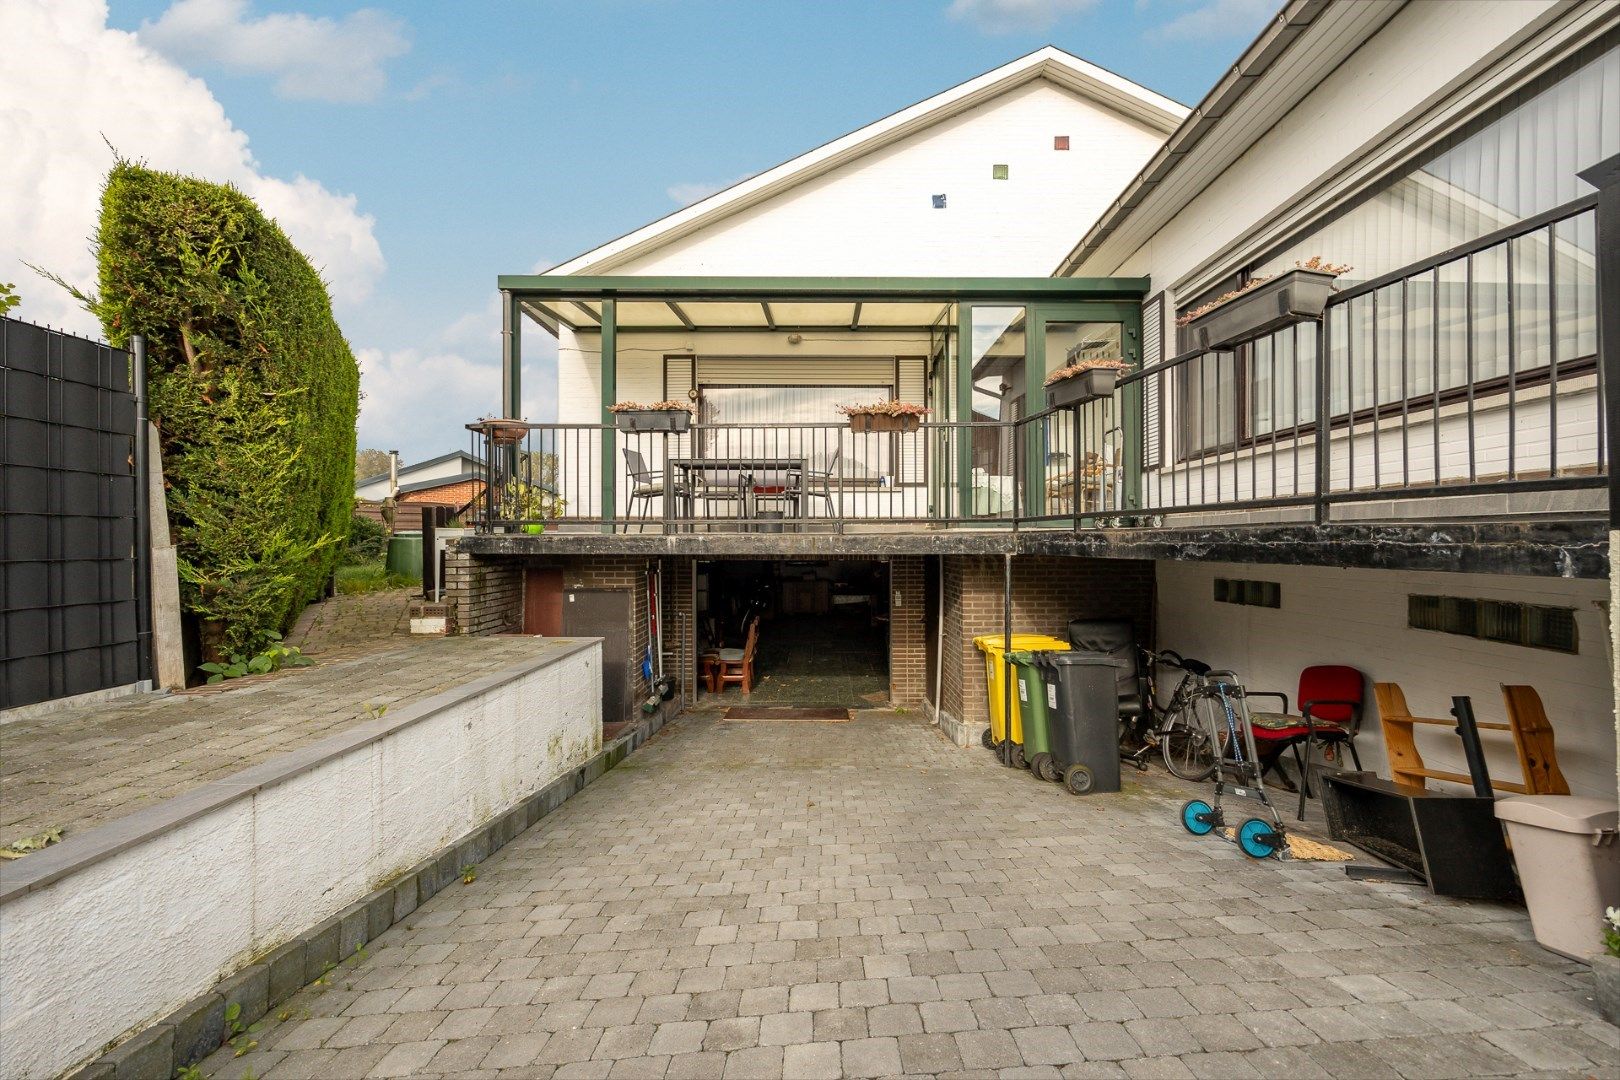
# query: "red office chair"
1330 699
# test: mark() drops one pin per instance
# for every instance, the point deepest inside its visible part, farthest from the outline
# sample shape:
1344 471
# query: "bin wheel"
1259 839
1196 817
1018 757
987 740
1079 780
1044 767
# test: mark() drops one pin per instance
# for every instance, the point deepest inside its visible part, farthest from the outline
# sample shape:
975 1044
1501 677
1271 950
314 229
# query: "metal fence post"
1324 418
143 513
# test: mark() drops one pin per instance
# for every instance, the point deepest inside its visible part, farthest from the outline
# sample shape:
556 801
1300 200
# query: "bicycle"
1174 729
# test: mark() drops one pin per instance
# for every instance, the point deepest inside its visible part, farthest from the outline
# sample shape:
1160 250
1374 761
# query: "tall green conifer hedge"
252 386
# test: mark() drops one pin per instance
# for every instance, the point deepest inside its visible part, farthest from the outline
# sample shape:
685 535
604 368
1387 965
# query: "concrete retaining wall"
115 929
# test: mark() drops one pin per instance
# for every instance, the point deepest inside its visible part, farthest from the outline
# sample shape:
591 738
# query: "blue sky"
485 138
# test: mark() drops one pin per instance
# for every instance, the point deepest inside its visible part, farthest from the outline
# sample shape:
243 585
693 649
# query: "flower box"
673 420
1089 385
863 422
1282 301
505 432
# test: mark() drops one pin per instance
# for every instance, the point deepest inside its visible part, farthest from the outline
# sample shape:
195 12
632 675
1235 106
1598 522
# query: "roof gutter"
1257 59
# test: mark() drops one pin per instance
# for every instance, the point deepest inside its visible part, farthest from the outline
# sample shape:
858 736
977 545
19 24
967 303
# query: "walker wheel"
1197 817
987 740
1044 767
1079 780
1259 839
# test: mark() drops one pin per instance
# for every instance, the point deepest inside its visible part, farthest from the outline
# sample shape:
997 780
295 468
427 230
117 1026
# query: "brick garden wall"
484 596
1048 591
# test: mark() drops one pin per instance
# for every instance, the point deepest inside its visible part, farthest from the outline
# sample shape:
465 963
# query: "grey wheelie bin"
1082 702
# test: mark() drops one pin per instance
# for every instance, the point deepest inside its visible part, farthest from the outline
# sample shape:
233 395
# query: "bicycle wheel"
1188 751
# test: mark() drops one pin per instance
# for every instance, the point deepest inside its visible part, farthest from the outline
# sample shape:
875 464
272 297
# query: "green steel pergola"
613 306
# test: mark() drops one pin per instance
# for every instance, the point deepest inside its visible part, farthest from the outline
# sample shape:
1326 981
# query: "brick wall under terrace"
908 631
485 596
1048 591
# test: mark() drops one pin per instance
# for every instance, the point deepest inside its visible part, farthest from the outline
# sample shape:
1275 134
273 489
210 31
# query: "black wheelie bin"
1083 718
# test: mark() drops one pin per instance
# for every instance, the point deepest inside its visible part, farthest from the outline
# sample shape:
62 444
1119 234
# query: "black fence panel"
70 517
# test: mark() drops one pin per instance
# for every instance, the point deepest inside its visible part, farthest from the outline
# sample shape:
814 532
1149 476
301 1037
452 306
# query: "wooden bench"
1528 725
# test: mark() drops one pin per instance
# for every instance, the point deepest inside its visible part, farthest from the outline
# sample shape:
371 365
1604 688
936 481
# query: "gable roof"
407 470
1064 69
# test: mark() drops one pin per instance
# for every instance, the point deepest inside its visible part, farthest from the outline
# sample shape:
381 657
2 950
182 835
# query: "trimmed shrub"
368 541
252 386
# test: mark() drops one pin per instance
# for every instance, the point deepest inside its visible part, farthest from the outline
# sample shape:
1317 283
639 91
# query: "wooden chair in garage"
1531 731
737 665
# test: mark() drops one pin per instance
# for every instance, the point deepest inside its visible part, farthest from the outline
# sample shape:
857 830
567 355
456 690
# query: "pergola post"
610 396
511 357
964 409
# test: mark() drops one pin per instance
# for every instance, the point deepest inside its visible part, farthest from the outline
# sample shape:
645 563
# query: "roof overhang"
677 304
1306 40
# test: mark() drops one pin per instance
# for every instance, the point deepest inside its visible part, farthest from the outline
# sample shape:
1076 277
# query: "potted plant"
1606 968
899 416
527 503
1262 305
1083 380
673 416
503 431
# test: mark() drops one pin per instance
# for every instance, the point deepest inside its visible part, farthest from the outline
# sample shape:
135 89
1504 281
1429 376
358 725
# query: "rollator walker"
1223 705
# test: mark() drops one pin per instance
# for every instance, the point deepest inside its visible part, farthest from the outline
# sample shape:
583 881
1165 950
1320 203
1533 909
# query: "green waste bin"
405 555
1031 704
995 674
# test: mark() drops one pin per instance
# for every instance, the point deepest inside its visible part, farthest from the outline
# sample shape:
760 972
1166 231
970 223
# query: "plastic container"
1568 856
1030 703
995 676
1082 704
405 555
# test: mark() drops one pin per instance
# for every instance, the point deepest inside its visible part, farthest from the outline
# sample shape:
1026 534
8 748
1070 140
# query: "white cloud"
416 400
310 58
68 81
1015 16
1218 19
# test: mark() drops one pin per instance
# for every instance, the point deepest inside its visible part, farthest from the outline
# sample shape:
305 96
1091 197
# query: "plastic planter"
1284 300
653 420
1089 385
864 422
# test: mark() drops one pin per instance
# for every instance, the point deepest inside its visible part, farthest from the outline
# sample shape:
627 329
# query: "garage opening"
821 632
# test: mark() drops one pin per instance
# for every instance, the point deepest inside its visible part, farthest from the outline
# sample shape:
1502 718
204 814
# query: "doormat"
757 712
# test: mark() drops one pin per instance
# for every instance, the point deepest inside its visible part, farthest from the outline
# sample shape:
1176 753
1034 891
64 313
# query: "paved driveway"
815 900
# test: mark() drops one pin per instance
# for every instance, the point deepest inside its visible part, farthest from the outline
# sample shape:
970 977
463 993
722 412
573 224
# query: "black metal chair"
817 483
646 485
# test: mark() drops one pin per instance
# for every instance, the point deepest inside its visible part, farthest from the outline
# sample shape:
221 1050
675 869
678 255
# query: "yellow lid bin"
997 671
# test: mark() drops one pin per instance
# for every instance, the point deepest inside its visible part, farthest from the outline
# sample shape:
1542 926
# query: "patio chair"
1330 701
737 665
645 484
817 483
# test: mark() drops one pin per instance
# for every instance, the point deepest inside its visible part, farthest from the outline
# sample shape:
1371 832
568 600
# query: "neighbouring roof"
406 470
1051 63
1306 41
443 481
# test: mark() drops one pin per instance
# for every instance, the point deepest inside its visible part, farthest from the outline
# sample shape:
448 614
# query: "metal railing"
1471 373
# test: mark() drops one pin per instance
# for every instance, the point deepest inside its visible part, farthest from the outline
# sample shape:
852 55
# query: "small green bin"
1032 707
405 555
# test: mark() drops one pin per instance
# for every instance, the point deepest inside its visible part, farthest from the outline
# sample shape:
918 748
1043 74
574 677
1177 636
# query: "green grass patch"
369 577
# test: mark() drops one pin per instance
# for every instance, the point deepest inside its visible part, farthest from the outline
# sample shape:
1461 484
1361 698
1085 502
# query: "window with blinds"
1152 398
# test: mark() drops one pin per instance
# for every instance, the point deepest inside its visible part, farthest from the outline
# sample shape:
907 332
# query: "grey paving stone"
812 1061
871 1057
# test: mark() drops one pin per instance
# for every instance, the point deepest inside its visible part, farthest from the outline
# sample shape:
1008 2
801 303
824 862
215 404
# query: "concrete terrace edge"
197 1028
22 876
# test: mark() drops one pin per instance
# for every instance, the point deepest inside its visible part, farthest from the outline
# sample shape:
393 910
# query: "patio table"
745 475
